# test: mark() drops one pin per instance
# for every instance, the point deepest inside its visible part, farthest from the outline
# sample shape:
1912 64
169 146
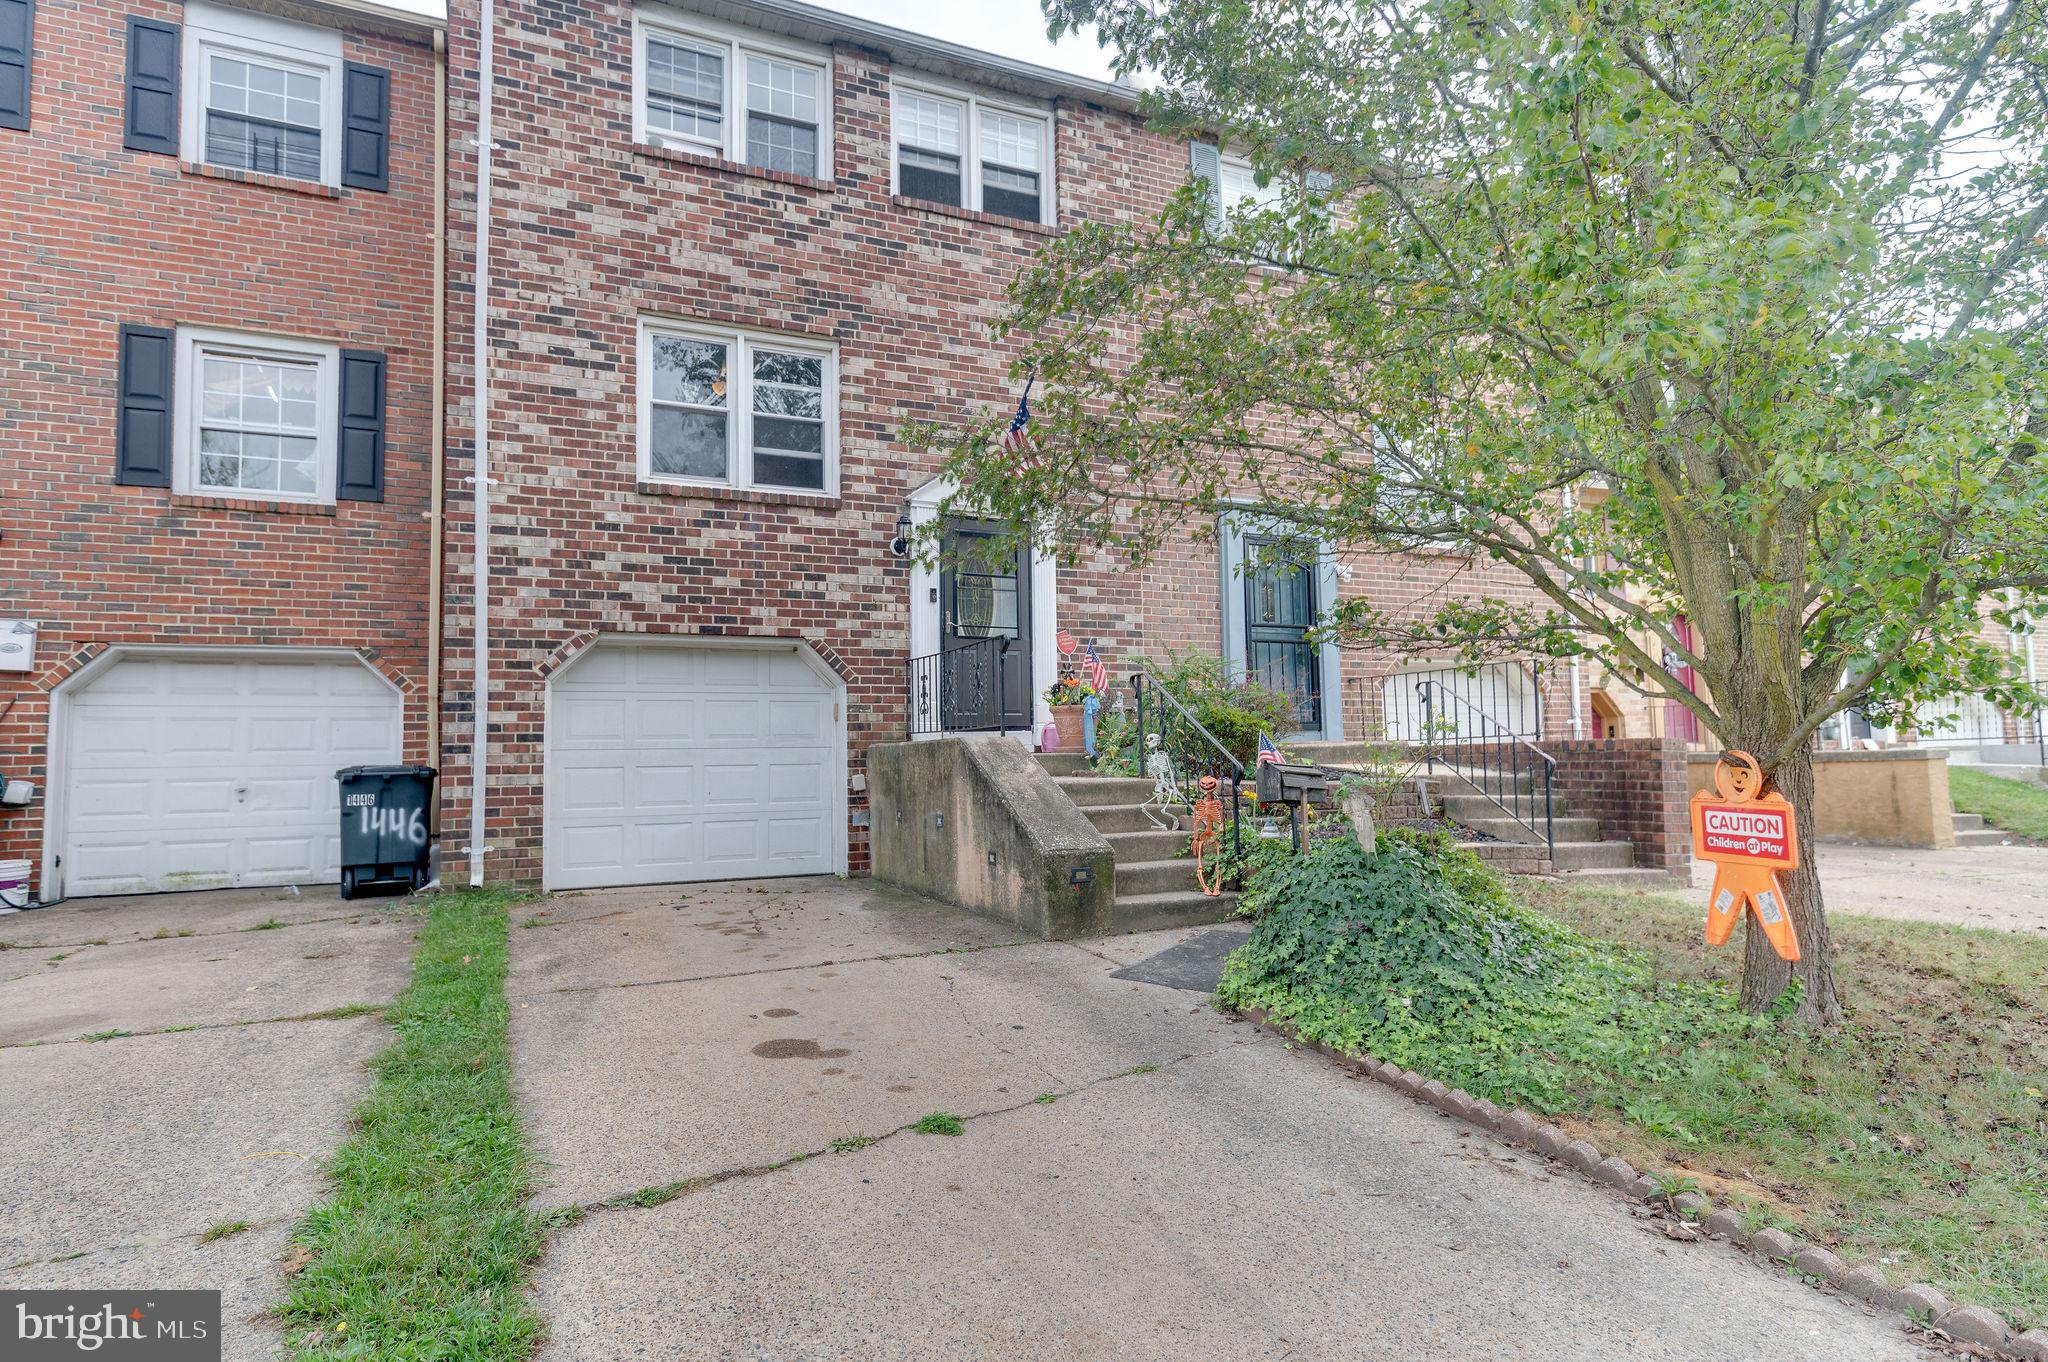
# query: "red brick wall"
92 236
1637 788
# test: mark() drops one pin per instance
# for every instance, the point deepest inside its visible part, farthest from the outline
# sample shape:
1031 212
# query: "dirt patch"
792 1048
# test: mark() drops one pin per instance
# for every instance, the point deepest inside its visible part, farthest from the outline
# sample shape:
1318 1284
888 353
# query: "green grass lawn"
2015 805
421 1252
1917 1133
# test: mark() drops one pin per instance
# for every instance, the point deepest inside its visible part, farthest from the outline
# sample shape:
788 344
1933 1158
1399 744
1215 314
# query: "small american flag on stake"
1267 752
1098 674
1017 438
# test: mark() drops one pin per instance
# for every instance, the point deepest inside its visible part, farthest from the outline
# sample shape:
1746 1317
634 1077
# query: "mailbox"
1281 783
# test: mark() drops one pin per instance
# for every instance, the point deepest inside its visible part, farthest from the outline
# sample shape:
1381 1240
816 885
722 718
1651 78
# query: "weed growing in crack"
226 1229
940 1123
847 1144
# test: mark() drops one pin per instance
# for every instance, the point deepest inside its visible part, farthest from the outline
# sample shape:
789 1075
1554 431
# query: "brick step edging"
1918 1304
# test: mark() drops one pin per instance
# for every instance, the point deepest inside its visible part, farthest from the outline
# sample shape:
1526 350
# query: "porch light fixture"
900 546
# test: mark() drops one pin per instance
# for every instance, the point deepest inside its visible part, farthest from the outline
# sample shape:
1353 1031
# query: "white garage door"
187 772
671 763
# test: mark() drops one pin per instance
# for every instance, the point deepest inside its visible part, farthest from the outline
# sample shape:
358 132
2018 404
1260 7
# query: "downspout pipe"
480 477
438 414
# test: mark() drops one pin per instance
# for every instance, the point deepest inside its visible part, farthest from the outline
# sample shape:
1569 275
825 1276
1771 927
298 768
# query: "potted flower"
1066 696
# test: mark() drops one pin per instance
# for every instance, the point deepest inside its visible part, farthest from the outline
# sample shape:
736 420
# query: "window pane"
685 90
269 148
785 91
796 437
272 93
299 471
1010 193
688 444
789 385
1011 141
782 470
932 124
922 175
690 371
775 145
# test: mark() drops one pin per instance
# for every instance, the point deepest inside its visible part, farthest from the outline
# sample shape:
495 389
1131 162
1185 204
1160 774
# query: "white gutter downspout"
480 479
1578 675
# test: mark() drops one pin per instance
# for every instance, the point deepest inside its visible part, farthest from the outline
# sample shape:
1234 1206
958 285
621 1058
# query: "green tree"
1772 273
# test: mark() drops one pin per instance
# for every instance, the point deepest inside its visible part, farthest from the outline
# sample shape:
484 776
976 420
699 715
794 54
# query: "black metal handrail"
1191 750
959 689
1495 762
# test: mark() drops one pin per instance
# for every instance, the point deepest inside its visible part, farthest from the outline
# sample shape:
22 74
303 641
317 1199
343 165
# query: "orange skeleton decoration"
1750 835
1208 837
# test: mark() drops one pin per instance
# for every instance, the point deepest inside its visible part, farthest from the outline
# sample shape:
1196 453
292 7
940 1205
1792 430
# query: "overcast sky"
1008 28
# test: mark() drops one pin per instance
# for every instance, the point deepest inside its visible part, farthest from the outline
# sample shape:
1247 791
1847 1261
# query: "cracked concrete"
1242 1201
122 1153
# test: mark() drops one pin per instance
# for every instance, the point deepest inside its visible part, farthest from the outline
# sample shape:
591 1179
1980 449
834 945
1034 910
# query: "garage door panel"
714 746
664 720
595 789
664 787
191 772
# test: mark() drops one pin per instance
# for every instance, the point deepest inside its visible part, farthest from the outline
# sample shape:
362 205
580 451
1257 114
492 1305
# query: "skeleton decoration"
1165 785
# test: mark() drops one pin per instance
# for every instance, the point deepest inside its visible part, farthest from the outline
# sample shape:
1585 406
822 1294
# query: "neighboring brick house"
216 267
728 258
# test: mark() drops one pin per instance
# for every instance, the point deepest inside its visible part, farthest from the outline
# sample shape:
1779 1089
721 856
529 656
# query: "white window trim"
193 342
739 407
974 102
211 30
737 44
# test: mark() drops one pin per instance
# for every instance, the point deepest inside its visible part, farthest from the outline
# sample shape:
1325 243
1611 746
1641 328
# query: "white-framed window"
1241 185
262 94
257 417
724 407
700 86
963 150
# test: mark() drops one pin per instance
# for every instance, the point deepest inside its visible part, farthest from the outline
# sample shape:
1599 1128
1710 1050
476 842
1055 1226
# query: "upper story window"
727 408
964 151
737 96
260 417
1240 187
262 94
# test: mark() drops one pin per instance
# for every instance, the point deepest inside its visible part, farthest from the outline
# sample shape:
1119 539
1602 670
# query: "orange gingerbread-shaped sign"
1750 834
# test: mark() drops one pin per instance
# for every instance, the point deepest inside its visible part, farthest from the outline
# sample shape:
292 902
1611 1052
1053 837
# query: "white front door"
682 761
190 771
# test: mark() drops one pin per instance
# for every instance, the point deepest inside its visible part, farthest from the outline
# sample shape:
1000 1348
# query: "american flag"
1098 674
1267 752
1018 437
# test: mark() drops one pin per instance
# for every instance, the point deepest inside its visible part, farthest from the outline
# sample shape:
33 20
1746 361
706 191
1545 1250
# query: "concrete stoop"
1973 831
1155 880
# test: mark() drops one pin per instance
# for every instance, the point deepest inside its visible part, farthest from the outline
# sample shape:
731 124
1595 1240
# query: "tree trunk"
1764 975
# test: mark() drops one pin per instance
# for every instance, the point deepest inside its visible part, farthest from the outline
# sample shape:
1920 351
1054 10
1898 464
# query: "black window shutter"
142 431
1205 163
152 122
366 128
17 45
359 475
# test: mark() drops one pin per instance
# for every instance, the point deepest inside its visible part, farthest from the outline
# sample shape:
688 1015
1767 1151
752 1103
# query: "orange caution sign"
1750 834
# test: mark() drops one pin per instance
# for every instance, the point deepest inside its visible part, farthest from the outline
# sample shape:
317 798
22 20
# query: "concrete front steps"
1973 831
1155 881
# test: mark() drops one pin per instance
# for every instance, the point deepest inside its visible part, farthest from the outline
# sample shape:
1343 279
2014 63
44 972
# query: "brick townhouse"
732 247
216 429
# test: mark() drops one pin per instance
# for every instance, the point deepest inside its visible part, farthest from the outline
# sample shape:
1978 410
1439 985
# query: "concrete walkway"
2005 887
1194 1189
121 1152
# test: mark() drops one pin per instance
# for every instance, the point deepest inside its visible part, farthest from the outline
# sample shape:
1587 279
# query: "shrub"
1417 955
1235 710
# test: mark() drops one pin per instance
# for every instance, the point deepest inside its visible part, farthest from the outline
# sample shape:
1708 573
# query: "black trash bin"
384 838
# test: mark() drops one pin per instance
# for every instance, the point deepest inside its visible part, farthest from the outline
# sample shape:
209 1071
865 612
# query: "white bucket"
13 884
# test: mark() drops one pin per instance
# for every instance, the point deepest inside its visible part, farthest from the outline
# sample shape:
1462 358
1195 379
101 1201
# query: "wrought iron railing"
1166 728
960 689
1502 765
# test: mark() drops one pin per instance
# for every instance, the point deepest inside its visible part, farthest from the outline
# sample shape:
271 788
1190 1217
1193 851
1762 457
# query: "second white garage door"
693 762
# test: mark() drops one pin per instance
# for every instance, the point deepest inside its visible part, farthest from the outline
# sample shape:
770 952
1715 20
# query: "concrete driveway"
1192 1189
123 1151
2005 887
